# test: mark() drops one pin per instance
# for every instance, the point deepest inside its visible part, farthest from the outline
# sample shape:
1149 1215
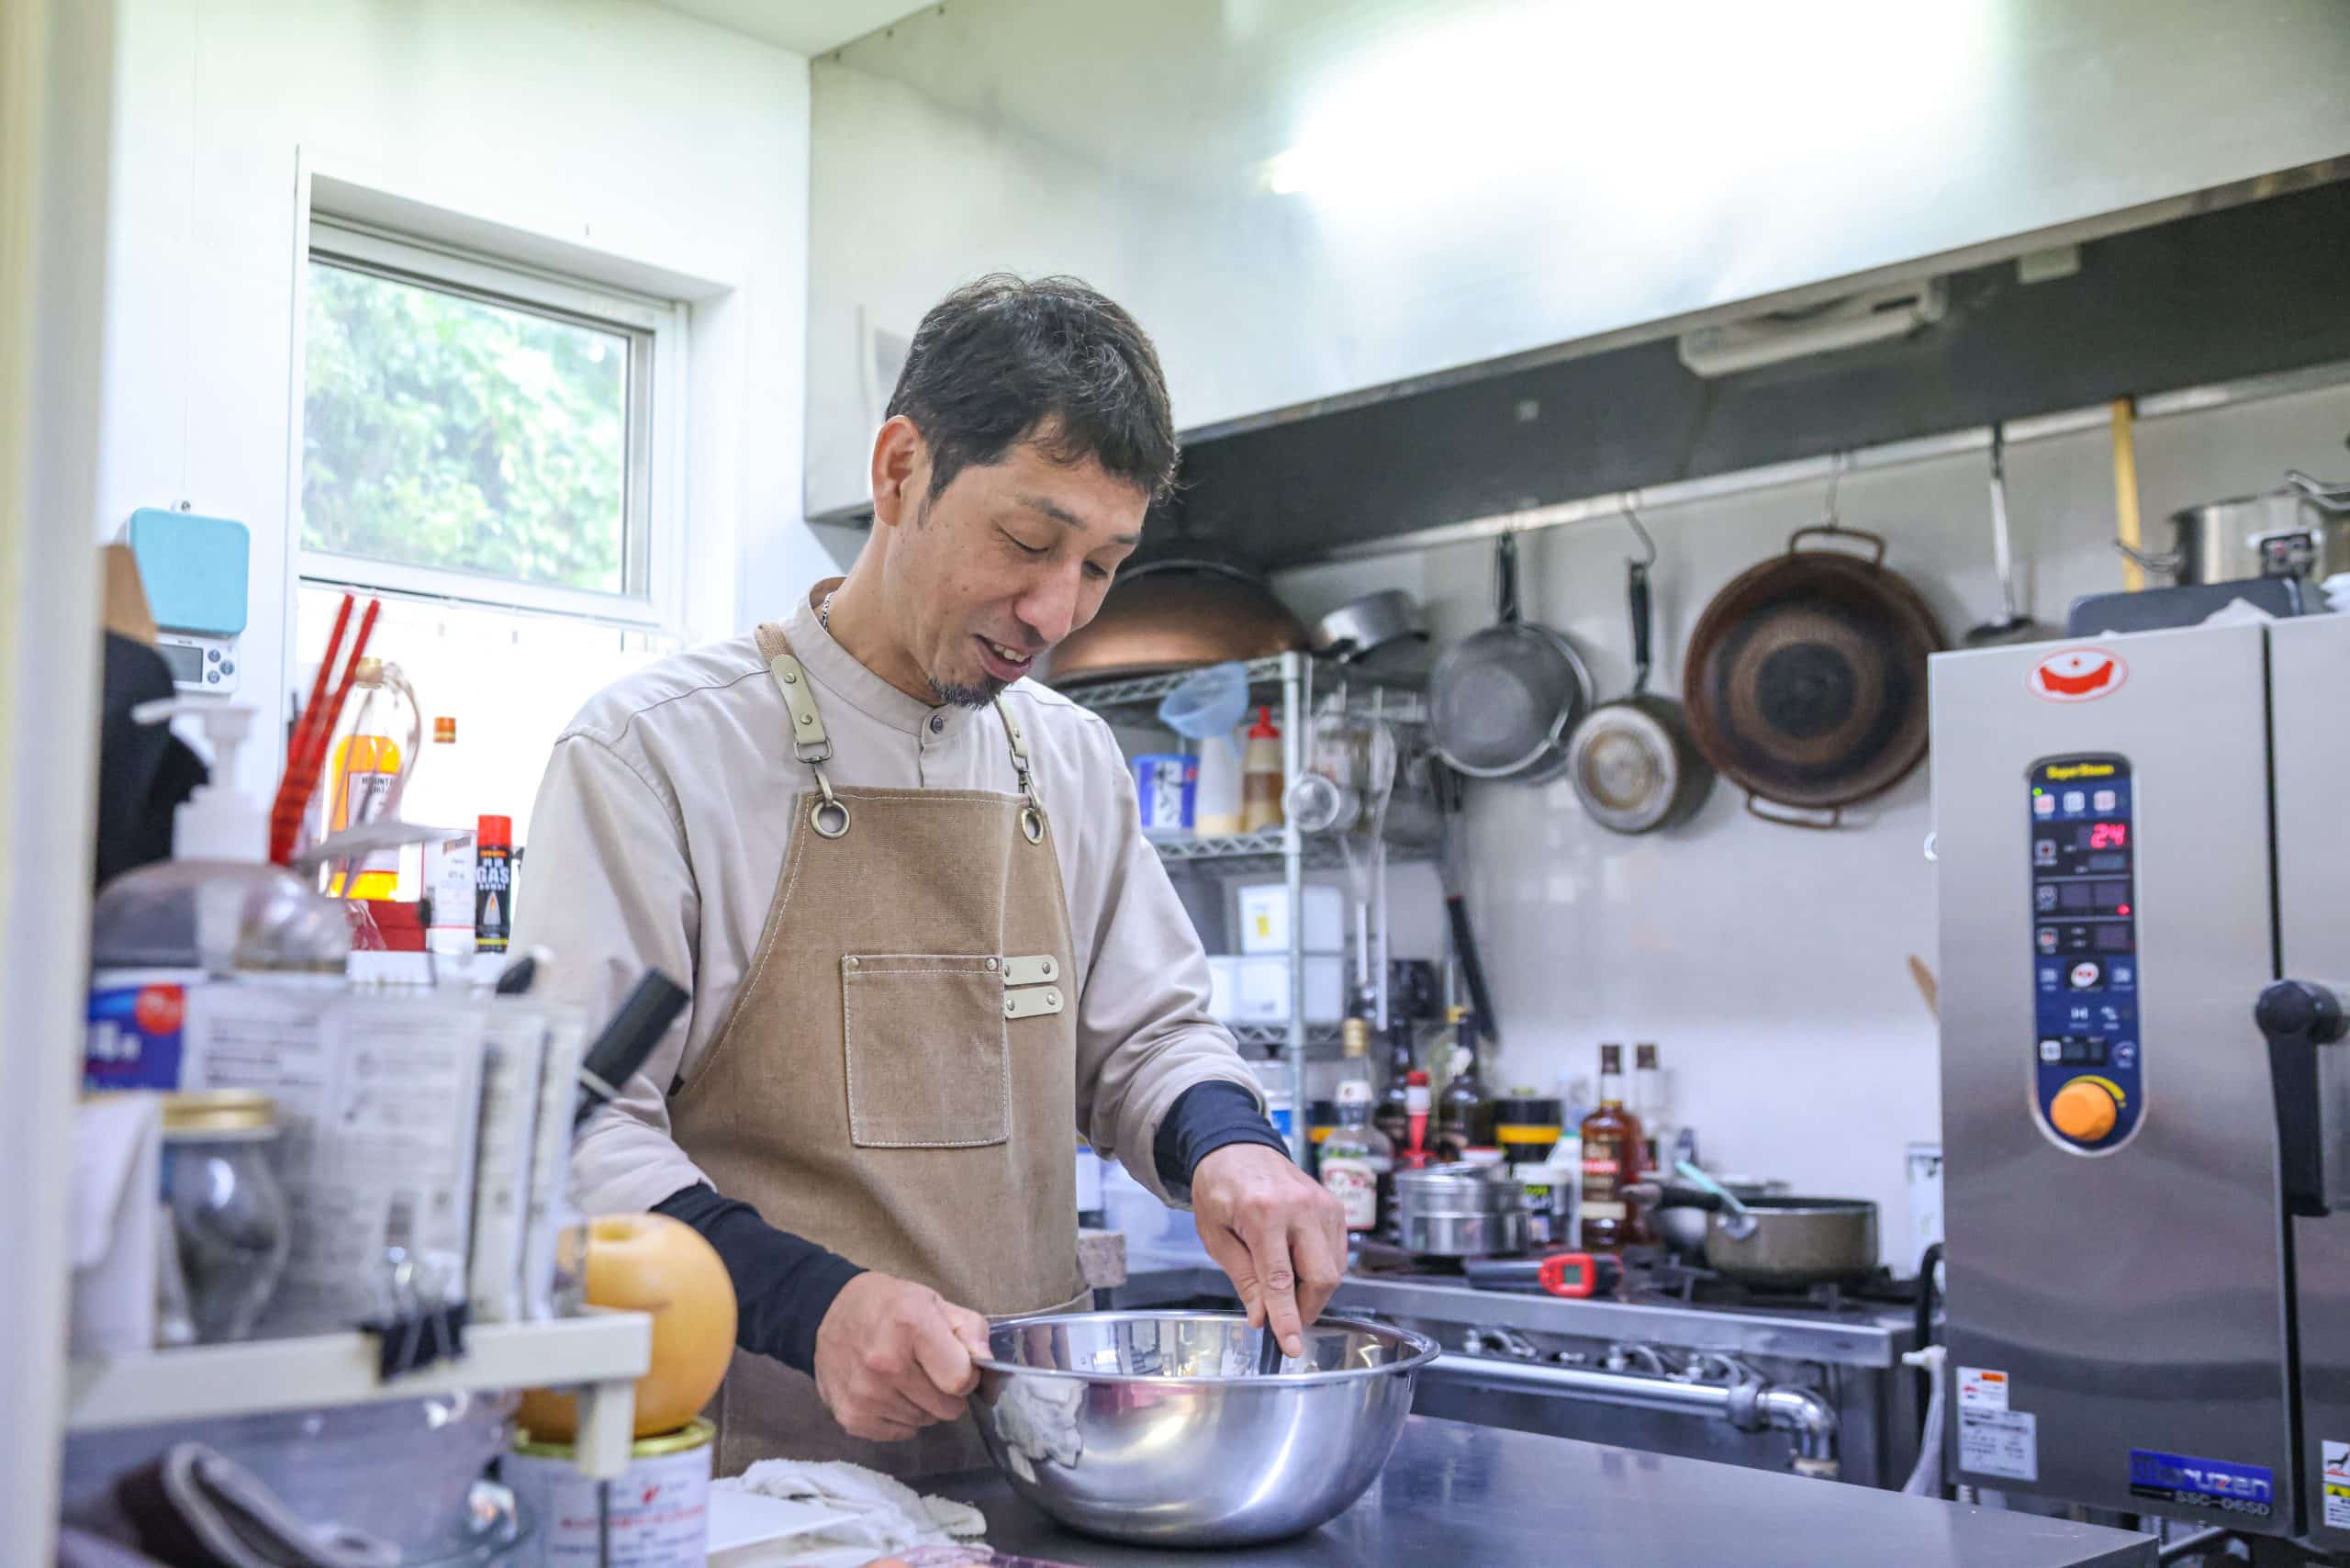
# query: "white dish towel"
884 1514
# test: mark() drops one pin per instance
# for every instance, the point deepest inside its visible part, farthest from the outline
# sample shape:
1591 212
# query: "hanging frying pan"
1805 679
1502 701
1632 761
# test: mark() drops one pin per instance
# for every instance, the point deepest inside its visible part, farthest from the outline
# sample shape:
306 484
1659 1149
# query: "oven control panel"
2089 1078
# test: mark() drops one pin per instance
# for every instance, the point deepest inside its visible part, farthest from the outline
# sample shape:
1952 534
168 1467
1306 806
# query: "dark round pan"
1632 761
1805 679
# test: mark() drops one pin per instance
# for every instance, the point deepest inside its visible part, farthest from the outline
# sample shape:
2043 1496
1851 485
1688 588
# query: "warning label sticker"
1979 1388
2005 1443
2337 1485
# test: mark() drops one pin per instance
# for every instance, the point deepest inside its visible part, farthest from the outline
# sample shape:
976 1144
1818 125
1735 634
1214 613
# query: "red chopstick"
281 846
302 770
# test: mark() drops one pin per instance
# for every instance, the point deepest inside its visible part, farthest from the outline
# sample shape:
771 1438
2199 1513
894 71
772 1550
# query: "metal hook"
1632 516
1835 479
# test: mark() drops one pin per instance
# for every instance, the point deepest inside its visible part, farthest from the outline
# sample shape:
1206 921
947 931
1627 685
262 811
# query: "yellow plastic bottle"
363 778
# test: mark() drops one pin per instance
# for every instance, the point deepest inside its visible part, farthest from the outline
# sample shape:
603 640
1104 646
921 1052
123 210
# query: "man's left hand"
1278 1232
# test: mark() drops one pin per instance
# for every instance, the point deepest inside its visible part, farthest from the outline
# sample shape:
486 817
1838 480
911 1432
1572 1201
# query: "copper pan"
1175 615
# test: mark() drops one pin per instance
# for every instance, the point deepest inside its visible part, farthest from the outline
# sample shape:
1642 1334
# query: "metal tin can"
660 1503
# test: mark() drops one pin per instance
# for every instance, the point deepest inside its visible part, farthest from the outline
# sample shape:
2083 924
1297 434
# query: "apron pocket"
926 1059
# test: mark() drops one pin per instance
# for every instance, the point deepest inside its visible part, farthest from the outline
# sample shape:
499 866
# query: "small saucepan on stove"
1682 1230
1791 1240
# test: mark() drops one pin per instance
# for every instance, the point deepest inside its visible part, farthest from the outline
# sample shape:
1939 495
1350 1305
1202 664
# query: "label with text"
2337 1485
1980 1388
2005 1443
2218 1484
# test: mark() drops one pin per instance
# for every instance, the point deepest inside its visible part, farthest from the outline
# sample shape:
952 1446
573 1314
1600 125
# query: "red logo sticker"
157 1010
2076 674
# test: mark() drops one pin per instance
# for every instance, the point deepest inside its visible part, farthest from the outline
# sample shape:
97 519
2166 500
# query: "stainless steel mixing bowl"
1155 1427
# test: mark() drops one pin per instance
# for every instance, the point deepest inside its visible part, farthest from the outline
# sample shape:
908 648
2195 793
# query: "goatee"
978 696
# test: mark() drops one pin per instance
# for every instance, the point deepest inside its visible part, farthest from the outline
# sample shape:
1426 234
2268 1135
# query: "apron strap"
813 746
1032 810
810 742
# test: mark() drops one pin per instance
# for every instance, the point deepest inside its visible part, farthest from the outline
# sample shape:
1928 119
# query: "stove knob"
2084 1110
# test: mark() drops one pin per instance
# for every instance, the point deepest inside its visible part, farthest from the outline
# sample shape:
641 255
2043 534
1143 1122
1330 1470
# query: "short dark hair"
1007 359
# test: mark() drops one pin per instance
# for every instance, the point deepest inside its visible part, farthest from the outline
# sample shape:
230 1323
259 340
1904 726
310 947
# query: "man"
910 894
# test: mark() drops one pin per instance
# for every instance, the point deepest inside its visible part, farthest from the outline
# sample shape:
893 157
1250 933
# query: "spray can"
493 883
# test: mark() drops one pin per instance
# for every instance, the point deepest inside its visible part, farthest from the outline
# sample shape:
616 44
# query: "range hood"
1318 203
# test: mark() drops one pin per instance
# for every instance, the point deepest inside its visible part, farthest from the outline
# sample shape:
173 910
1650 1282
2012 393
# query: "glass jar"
228 1213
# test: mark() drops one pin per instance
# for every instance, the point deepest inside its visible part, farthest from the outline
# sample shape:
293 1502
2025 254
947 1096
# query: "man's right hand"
893 1357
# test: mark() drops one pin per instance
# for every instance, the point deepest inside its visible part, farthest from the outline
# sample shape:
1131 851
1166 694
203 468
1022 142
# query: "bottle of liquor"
1356 1159
1612 1158
1392 1115
1647 1103
1464 1114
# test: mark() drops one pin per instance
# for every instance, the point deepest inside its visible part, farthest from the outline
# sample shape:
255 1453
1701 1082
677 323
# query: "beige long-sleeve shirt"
659 835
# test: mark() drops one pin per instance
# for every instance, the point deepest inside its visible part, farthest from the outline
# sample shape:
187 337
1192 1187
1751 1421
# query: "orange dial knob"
2084 1110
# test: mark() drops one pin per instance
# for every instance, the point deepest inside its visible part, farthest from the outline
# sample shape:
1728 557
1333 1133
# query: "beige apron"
898 1078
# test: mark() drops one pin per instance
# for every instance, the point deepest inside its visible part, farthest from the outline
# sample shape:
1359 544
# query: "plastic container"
367 768
1216 804
1208 707
1208 704
1260 775
1264 918
1153 1232
218 909
1166 786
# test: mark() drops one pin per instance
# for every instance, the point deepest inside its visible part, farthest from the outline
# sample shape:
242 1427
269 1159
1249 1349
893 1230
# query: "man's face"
1005 562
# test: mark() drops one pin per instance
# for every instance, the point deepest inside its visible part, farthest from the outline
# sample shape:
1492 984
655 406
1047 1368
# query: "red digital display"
2109 835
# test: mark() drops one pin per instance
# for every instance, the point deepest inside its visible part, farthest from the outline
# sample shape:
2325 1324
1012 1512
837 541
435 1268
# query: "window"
491 451
478 432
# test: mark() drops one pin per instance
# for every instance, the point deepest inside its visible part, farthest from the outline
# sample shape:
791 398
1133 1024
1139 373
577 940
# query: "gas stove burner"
1651 1274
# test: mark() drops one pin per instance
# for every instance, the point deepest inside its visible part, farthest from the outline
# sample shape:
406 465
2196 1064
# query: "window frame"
652 597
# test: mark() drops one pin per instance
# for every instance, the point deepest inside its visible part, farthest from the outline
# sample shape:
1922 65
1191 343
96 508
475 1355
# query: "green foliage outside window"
445 431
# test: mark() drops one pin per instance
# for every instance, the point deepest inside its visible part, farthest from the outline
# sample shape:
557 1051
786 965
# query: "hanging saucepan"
1632 761
1806 677
1502 702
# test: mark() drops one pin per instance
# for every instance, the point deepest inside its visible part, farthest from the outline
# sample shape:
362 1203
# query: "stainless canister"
660 1503
1461 1211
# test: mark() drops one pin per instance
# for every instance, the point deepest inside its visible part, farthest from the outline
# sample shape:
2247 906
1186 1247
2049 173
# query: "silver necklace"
824 611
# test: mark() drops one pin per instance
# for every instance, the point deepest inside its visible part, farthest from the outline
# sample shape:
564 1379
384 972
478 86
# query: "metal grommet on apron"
809 743
1032 810
897 1076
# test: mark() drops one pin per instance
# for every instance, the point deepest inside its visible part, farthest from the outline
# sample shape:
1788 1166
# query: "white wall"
672 147
1769 962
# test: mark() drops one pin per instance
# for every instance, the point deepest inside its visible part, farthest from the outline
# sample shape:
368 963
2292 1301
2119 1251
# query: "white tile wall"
1769 962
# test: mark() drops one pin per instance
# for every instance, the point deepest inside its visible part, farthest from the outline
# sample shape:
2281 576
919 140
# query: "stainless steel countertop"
1461 1496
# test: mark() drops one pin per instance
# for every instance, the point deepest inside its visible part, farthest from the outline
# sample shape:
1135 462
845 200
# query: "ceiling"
804 27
